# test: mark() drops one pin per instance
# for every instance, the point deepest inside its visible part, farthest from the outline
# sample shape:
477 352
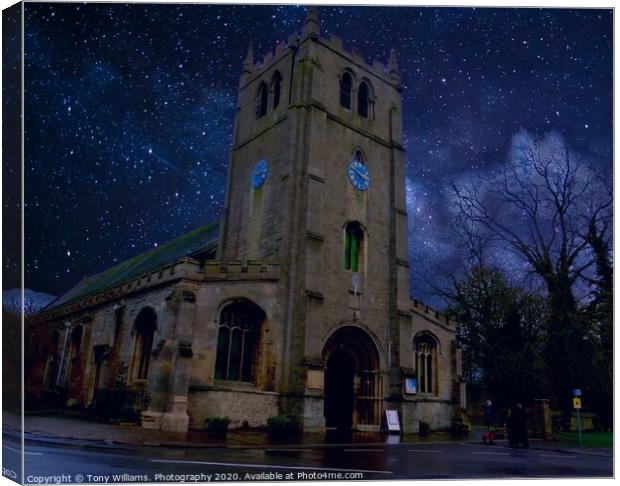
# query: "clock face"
259 173
359 175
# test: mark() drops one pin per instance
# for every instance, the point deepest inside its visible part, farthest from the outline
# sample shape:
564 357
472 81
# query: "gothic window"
363 100
237 342
345 90
353 239
76 341
277 88
118 326
261 100
426 364
73 353
144 331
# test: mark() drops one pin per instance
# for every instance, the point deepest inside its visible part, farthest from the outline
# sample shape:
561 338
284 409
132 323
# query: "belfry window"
277 88
363 100
237 341
345 90
426 364
353 239
261 100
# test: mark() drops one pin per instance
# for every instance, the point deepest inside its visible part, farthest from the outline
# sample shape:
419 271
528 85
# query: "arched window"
76 341
237 341
363 100
73 353
353 239
261 100
426 364
346 82
118 327
277 88
144 331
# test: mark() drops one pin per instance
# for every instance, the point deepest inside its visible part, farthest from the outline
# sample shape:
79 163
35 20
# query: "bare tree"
541 206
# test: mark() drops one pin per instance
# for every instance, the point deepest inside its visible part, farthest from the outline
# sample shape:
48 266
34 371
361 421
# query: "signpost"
577 407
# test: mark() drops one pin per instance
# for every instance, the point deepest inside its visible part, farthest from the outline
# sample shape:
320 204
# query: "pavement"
50 429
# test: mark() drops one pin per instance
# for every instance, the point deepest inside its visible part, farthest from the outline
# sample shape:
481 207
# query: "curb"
112 444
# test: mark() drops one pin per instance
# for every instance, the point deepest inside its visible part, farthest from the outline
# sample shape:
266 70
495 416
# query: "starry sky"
129 114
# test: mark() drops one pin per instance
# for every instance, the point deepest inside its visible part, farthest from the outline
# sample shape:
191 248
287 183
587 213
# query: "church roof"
199 241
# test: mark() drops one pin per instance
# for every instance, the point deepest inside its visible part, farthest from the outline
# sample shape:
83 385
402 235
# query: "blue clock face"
359 175
259 174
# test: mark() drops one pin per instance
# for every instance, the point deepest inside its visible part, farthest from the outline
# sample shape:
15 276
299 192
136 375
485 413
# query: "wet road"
97 465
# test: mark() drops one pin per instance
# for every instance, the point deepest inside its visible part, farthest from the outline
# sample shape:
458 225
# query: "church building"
297 303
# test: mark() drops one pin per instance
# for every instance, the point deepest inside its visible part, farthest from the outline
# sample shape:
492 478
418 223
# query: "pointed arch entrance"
353 381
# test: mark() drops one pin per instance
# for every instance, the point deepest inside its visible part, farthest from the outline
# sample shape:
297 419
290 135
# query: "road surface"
69 463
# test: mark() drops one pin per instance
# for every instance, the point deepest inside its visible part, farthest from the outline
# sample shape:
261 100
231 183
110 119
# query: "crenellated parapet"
241 270
388 72
186 268
432 315
375 66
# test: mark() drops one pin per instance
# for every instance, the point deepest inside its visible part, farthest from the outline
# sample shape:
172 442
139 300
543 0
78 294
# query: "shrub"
283 427
458 428
217 426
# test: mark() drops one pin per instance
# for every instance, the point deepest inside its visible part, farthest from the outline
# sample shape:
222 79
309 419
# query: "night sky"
129 113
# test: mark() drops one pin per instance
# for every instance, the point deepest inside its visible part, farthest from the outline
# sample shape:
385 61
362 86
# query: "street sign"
577 407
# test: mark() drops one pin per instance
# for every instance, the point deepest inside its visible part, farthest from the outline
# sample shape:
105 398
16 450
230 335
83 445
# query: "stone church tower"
302 306
323 129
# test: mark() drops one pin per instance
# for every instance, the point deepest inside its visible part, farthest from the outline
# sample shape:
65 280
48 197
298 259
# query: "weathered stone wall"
437 413
253 218
252 406
99 328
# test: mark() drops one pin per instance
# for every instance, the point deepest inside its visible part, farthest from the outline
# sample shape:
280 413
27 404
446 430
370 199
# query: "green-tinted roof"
196 241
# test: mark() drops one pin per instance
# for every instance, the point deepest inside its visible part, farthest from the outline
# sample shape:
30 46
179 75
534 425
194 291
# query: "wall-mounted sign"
411 385
315 379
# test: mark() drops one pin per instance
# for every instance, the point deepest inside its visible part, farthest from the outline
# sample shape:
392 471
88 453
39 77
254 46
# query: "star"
131 112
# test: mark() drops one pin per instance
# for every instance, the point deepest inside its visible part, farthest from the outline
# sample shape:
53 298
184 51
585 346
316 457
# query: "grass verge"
590 439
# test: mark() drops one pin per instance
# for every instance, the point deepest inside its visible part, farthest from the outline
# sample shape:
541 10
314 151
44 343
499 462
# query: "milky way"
129 114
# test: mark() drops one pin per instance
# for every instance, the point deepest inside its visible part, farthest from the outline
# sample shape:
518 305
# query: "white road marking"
25 452
493 453
557 456
269 466
288 450
363 450
423 450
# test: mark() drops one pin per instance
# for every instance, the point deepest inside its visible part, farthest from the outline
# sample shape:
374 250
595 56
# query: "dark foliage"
217 426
